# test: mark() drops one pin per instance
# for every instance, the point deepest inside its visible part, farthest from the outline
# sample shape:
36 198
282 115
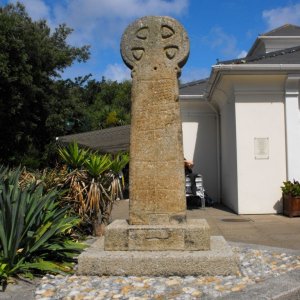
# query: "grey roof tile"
285 56
194 88
285 30
109 140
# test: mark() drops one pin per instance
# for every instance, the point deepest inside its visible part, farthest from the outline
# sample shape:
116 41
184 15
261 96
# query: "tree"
110 105
31 59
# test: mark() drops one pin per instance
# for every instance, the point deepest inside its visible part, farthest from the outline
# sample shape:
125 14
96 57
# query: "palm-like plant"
117 184
119 162
73 156
97 197
96 164
94 186
75 184
33 228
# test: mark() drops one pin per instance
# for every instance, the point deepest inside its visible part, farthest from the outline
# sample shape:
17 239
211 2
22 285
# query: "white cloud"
104 20
219 40
191 74
282 15
99 20
242 54
117 72
37 9
100 23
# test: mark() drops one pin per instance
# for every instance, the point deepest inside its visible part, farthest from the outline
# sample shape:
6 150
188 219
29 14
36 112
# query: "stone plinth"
220 260
191 236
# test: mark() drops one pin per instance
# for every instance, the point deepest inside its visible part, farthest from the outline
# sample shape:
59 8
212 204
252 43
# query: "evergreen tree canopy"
31 59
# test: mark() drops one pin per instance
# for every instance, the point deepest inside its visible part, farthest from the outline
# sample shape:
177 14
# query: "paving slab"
21 289
269 230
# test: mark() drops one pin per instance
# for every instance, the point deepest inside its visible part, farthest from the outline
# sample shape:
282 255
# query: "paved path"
269 230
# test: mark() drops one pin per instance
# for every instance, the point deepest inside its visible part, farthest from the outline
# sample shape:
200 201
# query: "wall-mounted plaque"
261 148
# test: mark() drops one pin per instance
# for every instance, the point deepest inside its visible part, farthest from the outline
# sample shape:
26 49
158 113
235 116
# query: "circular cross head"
155 43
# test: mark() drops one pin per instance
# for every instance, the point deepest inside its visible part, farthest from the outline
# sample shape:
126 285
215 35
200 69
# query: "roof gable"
285 30
286 36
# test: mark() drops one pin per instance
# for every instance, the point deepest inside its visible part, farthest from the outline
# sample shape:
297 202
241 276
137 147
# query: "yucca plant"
33 229
117 184
94 186
119 162
97 198
114 186
96 164
73 156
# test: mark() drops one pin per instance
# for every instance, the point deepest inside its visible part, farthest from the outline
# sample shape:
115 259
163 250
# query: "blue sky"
218 29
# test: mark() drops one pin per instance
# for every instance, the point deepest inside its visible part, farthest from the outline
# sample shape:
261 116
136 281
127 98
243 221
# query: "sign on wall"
261 148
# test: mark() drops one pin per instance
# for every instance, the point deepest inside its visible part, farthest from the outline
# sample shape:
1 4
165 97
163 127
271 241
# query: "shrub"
93 185
117 166
73 156
96 165
33 229
291 188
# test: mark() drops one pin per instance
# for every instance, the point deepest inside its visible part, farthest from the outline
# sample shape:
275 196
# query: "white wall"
259 179
190 132
252 106
229 179
199 125
292 119
260 114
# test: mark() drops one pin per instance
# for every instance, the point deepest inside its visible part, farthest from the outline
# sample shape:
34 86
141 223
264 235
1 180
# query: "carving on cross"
155 44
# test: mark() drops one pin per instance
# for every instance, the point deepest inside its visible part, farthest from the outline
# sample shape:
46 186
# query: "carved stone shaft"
155 48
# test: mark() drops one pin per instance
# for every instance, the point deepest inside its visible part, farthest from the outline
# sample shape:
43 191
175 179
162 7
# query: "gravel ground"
256 265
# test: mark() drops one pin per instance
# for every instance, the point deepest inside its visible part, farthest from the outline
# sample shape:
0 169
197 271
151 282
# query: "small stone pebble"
255 266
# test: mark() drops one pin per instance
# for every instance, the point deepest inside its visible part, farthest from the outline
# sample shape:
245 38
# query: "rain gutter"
218 70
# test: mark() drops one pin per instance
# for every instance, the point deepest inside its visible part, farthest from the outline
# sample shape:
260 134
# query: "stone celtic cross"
155 48
158 240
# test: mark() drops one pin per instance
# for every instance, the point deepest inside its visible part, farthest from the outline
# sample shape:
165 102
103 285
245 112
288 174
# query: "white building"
241 126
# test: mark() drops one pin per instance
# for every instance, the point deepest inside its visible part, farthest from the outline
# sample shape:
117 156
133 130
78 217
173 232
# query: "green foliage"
33 229
3 271
73 156
93 189
291 188
88 105
97 164
110 105
119 162
31 59
111 119
36 103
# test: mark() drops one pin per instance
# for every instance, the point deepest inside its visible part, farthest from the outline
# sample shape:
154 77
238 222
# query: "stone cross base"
219 260
192 235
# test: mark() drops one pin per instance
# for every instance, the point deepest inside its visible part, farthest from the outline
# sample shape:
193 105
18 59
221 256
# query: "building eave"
266 37
219 70
191 97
